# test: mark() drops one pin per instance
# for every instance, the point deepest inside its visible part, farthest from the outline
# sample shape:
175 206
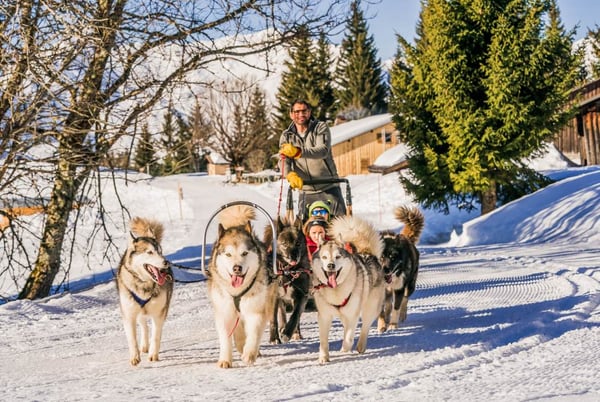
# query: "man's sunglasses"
321 211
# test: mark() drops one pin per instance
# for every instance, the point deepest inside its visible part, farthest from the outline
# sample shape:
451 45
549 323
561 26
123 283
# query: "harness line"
281 186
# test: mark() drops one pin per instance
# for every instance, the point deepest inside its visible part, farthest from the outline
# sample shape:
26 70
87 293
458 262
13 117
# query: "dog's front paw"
224 364
323 359
135 360
296 336
284 338
153 357
249 358
392 326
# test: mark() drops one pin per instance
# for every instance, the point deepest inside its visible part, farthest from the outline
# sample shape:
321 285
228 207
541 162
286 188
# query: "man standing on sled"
306 145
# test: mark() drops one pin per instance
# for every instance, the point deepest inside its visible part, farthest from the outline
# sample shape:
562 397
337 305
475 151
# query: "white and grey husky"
348 282
145 286
239 286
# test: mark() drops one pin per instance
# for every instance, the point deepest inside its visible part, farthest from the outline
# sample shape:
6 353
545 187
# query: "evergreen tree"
296 80
177 144
202 131
259 126
594 39
145 160
484 86
361 89
322 80
167 144
307 76
183 149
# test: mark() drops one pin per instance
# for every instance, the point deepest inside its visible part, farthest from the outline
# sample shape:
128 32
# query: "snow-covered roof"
217 159
393 156
351 129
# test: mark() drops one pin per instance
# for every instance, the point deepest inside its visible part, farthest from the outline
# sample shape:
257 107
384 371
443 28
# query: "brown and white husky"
145 286
240 287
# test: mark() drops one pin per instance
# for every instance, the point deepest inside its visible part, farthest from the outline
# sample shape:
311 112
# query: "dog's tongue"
236 281
161 277
331 280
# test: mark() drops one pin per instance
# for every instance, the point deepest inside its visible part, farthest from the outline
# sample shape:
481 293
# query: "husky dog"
348 281
400 262
239 286
145 286
293 270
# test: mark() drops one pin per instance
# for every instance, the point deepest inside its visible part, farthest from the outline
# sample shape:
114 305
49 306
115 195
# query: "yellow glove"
290 151
294 180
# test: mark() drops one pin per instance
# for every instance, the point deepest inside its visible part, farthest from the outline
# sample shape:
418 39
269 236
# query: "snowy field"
506 309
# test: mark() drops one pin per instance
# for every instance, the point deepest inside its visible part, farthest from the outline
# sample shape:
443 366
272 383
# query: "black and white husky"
293 277
400 263
145 286
239 286
348 282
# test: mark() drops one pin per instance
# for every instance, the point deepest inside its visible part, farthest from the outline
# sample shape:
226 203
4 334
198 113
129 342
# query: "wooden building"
217 165
356 144
580 139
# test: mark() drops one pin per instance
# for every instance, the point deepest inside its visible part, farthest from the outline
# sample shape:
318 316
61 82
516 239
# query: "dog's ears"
349 247
298 223
221 231
133 237
320 241
248 226
279 224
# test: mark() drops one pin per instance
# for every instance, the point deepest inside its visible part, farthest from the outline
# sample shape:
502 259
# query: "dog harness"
139 300
324 285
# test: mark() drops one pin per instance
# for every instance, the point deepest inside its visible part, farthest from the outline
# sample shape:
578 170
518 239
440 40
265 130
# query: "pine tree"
484 86
323 108
167 144
307 76
593 37
145 160
259 126
202 131
361 90
295 81
183 149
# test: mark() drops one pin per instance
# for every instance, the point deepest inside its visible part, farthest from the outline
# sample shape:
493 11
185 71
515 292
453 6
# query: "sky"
391 17
507 305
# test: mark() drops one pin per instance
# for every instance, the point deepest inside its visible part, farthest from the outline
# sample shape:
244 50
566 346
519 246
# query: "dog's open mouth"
237 280
157 275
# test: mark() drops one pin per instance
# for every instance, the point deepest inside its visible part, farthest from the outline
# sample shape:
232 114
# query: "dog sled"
290 197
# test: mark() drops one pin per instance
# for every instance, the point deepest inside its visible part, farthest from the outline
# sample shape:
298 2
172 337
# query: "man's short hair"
300 102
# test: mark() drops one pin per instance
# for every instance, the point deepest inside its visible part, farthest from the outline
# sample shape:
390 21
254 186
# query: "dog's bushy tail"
358 232
147 228
236 215
413 220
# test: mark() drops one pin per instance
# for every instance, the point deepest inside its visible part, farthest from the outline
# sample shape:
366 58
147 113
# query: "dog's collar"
138 299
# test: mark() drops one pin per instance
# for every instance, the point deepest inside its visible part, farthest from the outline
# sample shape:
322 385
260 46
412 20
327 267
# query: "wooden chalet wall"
355 155
581 137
